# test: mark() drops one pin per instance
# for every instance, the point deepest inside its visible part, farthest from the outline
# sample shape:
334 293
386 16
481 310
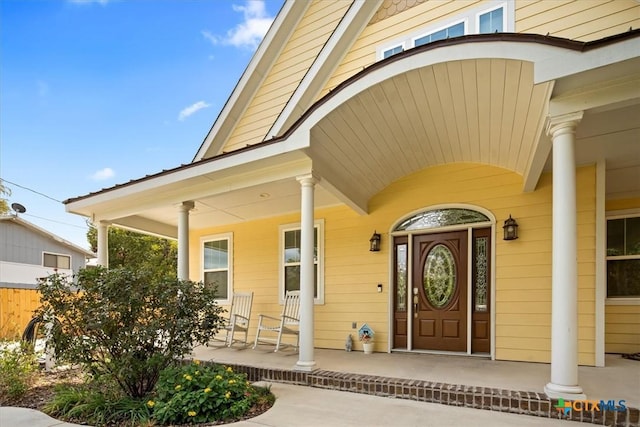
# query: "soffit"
478 110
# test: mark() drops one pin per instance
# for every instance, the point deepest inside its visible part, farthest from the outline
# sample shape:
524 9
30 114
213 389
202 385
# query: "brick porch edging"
492 399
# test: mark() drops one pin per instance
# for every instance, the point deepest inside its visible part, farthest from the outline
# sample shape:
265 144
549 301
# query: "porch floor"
618 380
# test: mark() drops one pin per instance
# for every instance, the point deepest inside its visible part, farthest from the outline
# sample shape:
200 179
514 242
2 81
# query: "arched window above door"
437 218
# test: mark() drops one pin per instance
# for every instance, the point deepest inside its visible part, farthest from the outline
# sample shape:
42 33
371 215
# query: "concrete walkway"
311 407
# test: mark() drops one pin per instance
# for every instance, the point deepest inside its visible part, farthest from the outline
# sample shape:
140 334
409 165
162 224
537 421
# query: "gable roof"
41 231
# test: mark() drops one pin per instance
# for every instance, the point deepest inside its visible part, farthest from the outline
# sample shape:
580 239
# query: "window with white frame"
290 257
454 30
392 51
491 17
492 21
623 257
57 261
217 262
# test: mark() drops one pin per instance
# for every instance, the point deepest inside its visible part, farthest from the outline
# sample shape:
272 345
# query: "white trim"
318 224
601 263
284 24
325 63
217 237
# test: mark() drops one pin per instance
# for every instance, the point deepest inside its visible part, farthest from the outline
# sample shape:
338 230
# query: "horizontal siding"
297 56
622 329
583 20
623 204
523 271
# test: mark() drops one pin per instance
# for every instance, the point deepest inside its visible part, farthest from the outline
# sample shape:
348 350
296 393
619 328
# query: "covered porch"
516 387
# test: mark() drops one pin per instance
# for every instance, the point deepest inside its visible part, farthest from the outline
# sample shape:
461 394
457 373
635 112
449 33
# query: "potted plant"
367 342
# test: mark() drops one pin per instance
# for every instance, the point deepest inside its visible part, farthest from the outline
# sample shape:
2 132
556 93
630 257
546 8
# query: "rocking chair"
239 317
287 324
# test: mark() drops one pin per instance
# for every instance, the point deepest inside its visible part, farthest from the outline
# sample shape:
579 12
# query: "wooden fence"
16 310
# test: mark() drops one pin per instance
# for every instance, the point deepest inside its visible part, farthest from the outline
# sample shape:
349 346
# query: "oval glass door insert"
439 276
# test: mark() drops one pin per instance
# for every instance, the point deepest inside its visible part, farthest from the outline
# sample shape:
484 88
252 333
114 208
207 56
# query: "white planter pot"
368 347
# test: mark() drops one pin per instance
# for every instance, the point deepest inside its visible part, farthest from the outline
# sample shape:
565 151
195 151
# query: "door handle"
415 305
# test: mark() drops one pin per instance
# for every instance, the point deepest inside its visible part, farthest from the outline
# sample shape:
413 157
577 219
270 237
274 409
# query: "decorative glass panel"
440 218
401 277
481 278
439 276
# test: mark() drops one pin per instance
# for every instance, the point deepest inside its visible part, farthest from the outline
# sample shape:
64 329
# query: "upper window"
455 30
216 264
62 262
623 257
392 51
493 16
492 21
290 239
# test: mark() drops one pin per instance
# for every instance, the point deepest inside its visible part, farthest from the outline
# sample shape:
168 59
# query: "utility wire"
33 191
53 220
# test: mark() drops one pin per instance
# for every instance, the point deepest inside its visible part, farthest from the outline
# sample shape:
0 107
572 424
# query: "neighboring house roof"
17 220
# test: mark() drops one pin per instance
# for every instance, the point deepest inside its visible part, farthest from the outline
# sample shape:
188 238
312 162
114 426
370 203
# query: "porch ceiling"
479 110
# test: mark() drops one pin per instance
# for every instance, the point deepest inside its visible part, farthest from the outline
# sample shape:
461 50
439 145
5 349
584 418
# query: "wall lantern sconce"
510 229
374 242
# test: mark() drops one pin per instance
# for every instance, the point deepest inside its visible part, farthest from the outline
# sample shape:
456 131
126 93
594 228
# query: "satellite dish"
18 208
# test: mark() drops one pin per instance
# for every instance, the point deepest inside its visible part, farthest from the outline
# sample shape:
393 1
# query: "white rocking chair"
239 317
287 324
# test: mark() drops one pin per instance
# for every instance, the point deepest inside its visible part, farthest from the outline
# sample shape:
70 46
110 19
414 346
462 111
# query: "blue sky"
95 93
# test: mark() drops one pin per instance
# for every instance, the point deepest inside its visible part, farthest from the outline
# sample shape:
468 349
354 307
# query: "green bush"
196 394
18 368
97 405
129 325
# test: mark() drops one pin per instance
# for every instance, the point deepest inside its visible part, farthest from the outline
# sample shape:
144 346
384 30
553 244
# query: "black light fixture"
510 229
374 242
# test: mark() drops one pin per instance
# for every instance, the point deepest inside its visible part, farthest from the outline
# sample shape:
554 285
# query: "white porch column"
103 244
306 360
564 295
183 240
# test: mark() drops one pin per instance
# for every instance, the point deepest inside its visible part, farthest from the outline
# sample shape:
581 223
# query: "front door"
439 291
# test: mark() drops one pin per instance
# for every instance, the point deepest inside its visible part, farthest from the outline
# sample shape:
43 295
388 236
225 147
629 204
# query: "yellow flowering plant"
195 393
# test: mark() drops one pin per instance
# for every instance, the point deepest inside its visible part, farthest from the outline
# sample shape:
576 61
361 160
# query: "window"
491 22
623 257
62 262
490 17
445 33
290 236
390 52
216 264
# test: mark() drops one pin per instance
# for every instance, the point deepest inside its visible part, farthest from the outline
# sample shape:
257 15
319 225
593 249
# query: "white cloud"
248 33
191 109
103 174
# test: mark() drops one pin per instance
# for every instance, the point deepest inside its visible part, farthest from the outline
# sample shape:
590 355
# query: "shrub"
129 325
196 394
99 406
18 368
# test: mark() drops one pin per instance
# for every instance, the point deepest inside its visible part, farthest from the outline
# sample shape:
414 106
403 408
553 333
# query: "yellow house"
427 127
